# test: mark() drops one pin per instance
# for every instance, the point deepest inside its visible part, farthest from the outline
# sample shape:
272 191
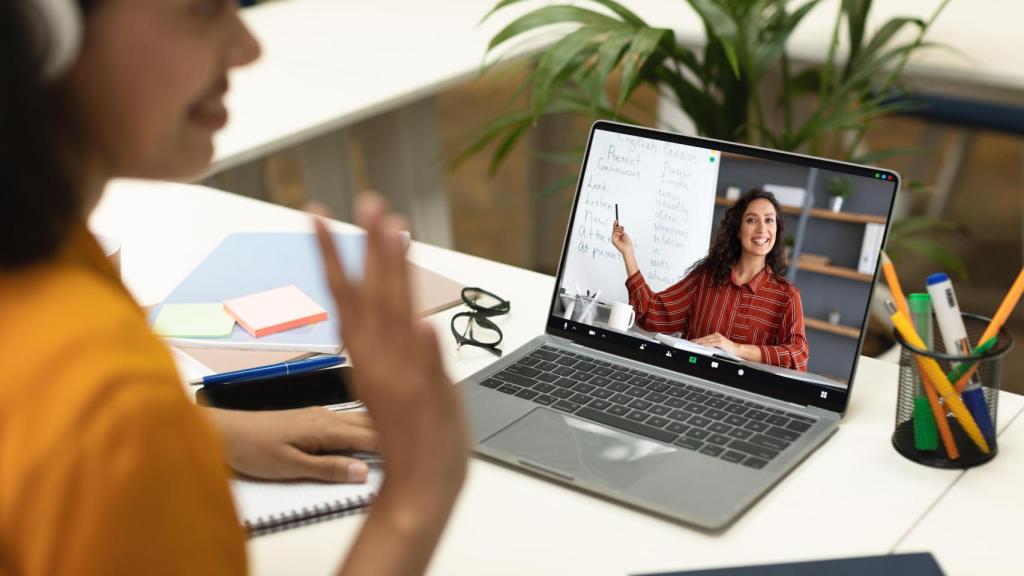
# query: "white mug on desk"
622 316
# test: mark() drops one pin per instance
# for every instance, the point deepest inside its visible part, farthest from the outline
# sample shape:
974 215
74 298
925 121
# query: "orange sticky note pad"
274 311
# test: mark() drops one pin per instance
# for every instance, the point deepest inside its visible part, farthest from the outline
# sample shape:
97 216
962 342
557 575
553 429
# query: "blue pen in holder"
981 396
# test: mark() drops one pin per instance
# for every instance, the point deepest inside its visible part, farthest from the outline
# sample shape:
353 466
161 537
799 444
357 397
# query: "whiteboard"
666 197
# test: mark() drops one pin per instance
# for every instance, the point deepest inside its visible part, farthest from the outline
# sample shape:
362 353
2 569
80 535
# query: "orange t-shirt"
105 465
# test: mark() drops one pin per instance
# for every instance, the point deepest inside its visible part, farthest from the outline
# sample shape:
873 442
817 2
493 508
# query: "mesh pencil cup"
952 446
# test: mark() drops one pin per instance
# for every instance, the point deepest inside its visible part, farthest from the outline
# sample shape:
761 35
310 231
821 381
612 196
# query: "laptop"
622 395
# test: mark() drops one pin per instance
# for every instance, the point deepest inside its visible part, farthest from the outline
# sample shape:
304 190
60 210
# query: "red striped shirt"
766 312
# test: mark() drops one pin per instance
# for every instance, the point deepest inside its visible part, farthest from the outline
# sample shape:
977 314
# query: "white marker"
954 335
947 313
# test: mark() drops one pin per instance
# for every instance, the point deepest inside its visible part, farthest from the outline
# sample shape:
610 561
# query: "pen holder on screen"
586 309
943 441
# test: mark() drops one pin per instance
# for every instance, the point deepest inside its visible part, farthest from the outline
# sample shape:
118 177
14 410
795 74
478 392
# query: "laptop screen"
748 267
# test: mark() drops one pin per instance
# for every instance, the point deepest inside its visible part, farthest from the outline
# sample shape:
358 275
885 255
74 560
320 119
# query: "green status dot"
693 359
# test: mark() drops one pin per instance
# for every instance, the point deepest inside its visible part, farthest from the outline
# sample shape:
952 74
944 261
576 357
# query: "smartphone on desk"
328 388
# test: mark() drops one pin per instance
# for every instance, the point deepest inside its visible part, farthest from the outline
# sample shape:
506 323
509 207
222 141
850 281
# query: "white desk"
854 496
975 528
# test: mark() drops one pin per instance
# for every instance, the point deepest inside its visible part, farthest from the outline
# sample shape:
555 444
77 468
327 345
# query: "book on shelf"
870 248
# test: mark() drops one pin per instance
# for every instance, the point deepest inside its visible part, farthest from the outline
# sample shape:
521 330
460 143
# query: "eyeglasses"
475 327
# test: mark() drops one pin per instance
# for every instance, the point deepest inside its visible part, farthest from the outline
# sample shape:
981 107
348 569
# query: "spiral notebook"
265 507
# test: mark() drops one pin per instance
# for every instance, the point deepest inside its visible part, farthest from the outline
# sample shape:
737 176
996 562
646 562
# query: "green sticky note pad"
193 321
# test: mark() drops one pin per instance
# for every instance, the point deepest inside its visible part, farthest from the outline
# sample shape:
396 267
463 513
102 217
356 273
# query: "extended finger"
397 270
369 211
429 352
328 467
333 269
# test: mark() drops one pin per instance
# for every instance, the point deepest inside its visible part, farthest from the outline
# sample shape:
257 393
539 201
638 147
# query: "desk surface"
853 496
975 528
329 63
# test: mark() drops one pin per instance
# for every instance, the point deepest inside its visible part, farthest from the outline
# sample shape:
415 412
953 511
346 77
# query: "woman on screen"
737 297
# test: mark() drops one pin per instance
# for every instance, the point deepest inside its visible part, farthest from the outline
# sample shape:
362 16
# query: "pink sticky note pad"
274 311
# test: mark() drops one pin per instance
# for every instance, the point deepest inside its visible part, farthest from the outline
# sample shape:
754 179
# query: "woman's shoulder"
74 334
50 305
81 354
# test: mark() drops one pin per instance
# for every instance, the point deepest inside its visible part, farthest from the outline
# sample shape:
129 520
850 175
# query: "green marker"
955 374
926 435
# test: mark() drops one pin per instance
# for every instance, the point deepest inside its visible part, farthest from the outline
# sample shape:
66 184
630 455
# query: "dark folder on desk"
919 564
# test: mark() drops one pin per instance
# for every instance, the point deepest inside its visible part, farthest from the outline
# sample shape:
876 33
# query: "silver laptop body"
667 469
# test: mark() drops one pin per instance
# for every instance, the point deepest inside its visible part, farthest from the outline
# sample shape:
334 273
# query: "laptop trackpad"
574 447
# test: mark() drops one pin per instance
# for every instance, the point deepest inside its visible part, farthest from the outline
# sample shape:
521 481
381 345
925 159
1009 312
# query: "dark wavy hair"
725 249
38 200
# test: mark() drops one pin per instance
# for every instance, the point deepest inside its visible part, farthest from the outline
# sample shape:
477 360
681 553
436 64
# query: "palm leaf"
720 27
884 35
505 146
639 52
767 53
490 132
622 12
559 62
551 15
806 81
856 12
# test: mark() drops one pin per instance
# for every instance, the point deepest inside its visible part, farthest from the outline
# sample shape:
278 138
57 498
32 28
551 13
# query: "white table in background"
332 69
854 496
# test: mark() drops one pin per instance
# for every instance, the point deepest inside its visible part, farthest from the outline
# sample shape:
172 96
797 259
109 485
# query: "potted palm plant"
604 52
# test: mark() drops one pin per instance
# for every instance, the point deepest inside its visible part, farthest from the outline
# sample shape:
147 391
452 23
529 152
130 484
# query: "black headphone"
57 30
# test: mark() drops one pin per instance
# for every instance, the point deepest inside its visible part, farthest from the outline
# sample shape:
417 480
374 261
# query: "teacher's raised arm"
624 244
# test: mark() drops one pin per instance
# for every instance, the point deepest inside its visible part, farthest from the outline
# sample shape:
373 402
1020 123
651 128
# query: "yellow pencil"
930 367
894 285
938 413
1009 303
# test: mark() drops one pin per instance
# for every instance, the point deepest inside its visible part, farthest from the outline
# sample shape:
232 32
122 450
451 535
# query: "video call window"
726 255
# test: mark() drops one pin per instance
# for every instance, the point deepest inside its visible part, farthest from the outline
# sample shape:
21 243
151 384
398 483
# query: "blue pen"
279 369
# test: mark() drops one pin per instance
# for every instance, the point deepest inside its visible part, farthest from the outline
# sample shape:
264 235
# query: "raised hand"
624 244
398 374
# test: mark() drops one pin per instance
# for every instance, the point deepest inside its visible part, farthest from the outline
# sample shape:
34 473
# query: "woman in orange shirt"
105 466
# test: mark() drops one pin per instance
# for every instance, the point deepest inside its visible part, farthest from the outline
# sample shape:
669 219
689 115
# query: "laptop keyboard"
684 415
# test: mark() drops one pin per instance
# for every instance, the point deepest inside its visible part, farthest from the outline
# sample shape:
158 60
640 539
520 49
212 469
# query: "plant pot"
837 203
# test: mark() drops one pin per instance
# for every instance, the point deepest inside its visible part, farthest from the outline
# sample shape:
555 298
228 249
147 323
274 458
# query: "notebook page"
258 500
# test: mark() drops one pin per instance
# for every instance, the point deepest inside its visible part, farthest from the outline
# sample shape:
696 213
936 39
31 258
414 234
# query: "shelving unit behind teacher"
825 246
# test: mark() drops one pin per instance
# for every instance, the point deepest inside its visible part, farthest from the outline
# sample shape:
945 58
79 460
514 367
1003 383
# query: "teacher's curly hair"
725 249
